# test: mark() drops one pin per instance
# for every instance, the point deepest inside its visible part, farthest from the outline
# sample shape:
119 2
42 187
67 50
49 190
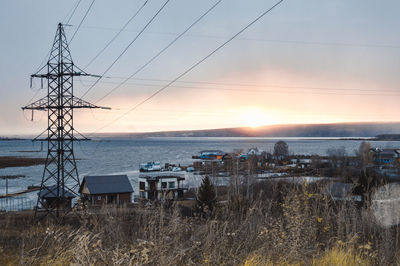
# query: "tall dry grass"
281 224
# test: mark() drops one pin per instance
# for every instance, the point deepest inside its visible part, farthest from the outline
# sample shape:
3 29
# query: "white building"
161 186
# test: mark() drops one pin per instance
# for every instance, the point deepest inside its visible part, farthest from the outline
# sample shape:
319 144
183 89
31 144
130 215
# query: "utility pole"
6 177
60 180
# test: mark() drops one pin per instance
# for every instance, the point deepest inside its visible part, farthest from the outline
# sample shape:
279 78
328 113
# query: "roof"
106 184
385 156
161 175
219 152
255 151
386 151
51 192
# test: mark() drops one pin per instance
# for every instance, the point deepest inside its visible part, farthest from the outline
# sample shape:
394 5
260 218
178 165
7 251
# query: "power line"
292 92
126 49
73 12
321 43
162 50
195 65
378 93
80 24
41 66
201 112
239 85
116 35
33 97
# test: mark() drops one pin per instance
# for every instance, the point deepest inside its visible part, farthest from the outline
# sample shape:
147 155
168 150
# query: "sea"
123 156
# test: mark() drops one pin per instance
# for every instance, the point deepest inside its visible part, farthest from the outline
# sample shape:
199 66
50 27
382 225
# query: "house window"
163 184
171 184
98 197
142 185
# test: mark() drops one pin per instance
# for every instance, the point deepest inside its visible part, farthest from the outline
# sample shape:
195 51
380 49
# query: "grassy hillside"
284 225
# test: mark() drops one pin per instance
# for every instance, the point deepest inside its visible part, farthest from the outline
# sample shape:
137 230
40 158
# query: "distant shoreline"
369 131
228 137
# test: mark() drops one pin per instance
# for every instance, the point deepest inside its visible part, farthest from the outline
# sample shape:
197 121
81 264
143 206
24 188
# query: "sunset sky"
307 61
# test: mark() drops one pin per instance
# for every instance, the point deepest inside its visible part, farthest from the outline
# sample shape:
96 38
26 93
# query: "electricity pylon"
60 180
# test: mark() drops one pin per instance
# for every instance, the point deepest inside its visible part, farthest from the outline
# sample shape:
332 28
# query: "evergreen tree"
206 197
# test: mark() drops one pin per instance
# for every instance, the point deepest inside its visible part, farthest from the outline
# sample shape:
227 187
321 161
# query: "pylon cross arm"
79 103
55 75
43 104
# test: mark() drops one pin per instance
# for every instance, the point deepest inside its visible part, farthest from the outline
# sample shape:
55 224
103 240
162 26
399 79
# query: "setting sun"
254 117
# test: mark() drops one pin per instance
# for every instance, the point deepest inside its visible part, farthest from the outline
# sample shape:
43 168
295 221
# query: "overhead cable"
306 88
126 48
83 19
193 66
301 42
73 12
116 35
161 51
41 66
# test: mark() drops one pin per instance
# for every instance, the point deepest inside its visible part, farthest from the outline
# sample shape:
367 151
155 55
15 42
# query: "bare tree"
337 156
281 149
365 155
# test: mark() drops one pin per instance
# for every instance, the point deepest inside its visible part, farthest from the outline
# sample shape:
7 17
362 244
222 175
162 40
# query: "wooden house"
106 189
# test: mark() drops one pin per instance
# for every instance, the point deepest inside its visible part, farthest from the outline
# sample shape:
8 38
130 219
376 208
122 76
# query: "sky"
307 61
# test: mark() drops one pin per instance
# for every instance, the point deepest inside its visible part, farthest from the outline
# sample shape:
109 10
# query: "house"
386 156
243 157
301 163
51 198
161 186
255 152
211 155
106 189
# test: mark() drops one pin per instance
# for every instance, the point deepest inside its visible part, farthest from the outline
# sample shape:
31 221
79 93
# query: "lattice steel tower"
60 179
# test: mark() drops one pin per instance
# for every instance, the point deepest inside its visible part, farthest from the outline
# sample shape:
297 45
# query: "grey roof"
51 192
106 184
155 176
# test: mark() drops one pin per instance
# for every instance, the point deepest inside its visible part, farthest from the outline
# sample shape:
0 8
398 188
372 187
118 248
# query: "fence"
16 204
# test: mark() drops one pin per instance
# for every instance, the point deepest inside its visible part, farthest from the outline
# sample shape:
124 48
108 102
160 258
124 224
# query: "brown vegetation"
13 161
283 224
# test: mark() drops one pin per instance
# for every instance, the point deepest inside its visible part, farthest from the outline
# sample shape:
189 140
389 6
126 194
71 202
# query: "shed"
106 189
52 198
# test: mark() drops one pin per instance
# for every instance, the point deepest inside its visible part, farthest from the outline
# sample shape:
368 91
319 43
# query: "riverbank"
19 161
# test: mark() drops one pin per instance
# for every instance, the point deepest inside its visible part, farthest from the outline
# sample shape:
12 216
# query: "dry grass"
283 225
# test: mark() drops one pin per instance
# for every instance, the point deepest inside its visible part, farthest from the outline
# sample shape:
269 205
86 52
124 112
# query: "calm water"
113 156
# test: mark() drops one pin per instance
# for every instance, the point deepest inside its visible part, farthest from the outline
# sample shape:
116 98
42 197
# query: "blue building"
386 156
